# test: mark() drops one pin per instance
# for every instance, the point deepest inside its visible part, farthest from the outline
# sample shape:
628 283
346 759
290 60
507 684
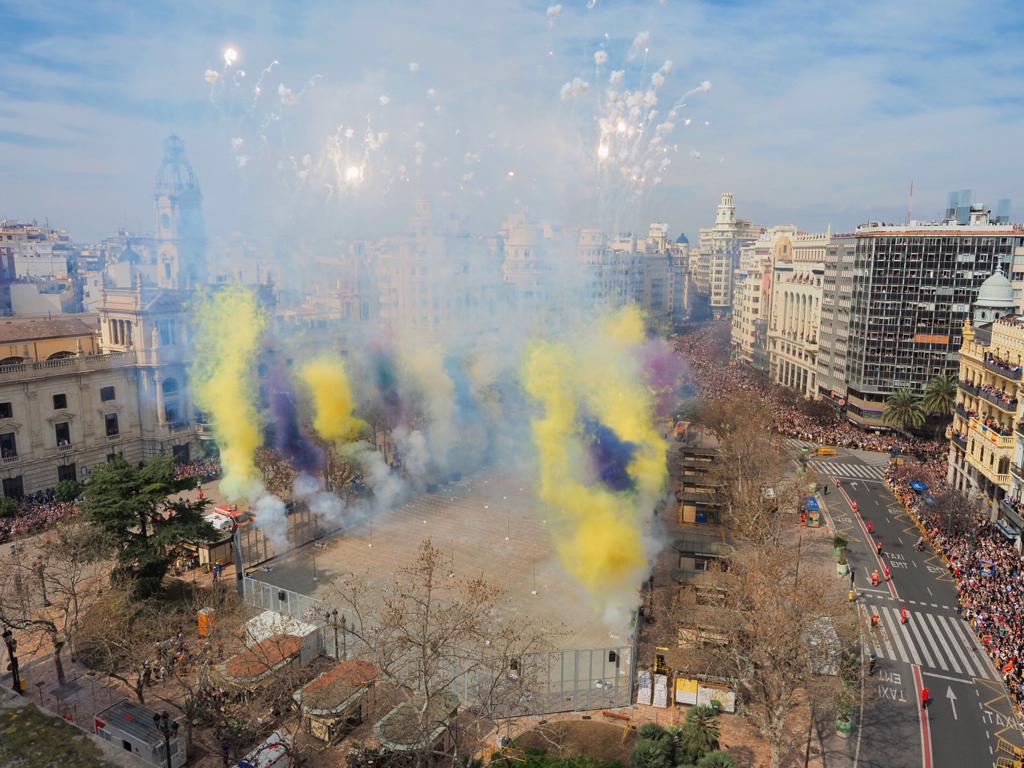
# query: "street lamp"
334 618
168 728
12 664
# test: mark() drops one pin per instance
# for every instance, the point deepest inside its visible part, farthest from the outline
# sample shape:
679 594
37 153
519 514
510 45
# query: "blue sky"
819 113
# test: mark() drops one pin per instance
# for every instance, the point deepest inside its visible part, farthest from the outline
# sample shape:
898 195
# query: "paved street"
970 709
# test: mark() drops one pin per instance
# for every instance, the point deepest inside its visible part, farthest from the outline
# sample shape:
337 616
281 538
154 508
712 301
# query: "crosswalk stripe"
911 627
918 622
936 622
892 626
980 661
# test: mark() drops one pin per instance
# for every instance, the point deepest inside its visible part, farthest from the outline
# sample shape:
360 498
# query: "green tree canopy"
131 507
652 753
903 410
699 734
717 760
940 395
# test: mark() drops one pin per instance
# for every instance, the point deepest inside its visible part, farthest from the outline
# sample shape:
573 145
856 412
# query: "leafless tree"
433 634
750 470
787 625
43 598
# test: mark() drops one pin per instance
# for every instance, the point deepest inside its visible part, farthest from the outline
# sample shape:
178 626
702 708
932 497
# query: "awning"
1007 529
918 486
811 504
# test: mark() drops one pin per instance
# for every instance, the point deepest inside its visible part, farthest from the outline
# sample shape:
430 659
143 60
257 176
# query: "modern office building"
913 287
836 300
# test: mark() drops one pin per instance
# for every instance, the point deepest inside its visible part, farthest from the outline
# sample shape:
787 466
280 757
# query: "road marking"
922 713
950 655
949 677
928 588
952 700
892 624
919 643
967 636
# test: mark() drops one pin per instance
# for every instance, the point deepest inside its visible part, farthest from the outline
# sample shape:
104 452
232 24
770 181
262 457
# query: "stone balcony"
991 436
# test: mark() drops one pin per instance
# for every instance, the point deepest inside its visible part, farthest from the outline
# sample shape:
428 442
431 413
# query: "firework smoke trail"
599 527
291 440
230 324
333 404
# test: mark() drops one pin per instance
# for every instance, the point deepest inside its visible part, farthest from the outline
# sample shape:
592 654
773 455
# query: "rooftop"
416 723
335 688
254 663
133 719
18 329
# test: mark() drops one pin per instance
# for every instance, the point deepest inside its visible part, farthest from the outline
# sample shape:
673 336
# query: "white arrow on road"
952 699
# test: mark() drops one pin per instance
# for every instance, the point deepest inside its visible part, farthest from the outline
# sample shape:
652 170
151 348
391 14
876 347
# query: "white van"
275 752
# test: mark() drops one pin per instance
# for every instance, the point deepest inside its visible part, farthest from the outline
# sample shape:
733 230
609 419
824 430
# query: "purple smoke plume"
610 456
290 439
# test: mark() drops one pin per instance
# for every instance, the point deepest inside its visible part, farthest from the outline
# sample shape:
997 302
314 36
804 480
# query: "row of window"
60 402
62 433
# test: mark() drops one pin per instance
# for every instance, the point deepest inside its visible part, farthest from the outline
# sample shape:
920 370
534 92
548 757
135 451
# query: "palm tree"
940 395
903 410
700 733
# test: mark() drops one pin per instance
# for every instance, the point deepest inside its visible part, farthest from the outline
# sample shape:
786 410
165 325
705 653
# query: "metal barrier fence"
539 683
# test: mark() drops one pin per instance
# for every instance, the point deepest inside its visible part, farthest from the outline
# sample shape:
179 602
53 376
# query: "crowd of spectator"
33 516
986 568
1004 365
205 469
712 373
994 393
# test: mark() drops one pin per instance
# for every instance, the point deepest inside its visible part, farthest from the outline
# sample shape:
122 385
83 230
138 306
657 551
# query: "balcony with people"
1002 367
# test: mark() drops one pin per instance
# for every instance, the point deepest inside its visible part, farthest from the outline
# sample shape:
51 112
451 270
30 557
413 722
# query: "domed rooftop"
996 292
682 238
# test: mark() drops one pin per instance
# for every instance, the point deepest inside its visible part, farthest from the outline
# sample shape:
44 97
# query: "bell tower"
181 234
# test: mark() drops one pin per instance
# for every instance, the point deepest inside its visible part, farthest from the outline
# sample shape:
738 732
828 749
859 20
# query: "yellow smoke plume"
599 533
230 324
333 403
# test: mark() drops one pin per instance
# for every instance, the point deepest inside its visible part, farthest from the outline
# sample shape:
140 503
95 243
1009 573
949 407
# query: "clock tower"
181 235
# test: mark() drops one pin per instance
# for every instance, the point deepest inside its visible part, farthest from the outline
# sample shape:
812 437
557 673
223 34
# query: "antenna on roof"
910 201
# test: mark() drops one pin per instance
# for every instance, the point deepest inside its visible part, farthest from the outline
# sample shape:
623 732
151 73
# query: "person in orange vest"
888 572
874 578
871 526
903 615
925 698
875 619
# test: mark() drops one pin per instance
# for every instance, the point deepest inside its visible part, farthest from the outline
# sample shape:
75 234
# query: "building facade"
79 390
718 254
836 300
794 324
984 435
913 287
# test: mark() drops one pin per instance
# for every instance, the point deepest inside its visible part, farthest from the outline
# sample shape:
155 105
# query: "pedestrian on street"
875 619
871 526
851 576
888 572
903 615
878 548
925 698
874 578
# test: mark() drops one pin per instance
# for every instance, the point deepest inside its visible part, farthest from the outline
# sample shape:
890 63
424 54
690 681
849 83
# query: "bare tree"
433 635
748 468
786 625
45 597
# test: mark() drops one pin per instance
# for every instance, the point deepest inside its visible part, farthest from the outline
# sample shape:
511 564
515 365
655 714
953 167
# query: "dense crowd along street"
706 350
